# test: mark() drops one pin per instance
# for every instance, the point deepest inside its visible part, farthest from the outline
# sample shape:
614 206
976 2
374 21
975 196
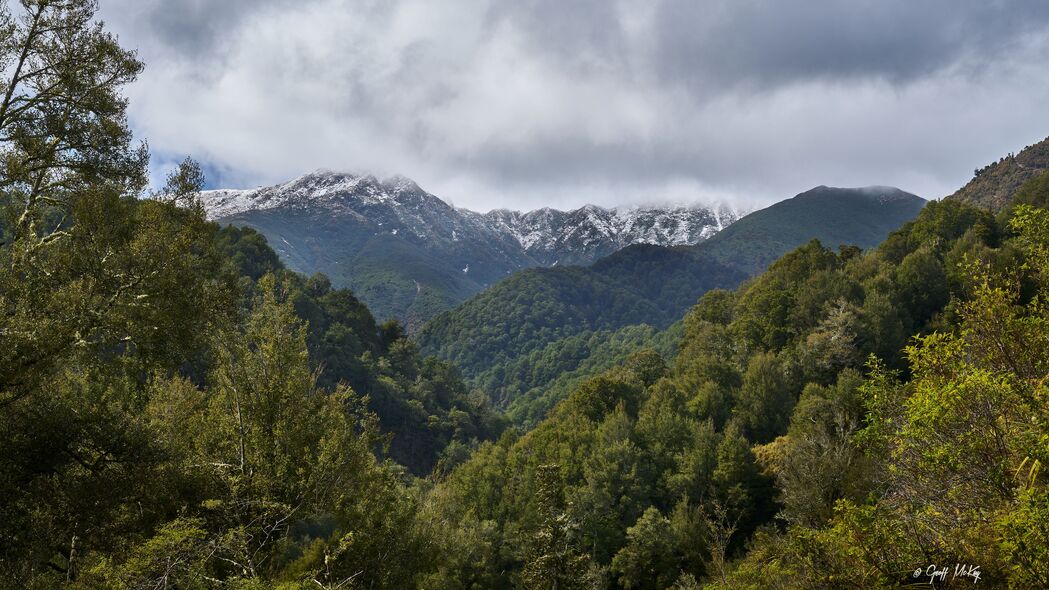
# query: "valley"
345 382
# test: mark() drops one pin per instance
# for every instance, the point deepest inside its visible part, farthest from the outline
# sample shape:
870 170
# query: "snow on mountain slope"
390 240
547 235
323 189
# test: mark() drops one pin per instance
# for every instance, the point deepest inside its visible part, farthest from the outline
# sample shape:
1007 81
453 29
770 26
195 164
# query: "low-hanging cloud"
547 102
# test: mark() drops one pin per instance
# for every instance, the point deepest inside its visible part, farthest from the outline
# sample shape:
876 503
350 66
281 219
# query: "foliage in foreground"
775 451
176 411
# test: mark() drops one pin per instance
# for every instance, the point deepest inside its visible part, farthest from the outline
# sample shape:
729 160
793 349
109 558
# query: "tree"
818 462
84 267
741 487
99 293
62 120
554 562
719 531
648 561
765 400
279 449
184 185
616 488
175 557
831 347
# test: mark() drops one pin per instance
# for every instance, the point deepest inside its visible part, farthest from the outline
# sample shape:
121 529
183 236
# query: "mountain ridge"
824 212
679 226
993 186
410 255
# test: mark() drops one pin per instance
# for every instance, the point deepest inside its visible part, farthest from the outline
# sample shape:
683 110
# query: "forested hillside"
177 409
547 375
496 336
180 411
993 185
422 403
859 217
841 420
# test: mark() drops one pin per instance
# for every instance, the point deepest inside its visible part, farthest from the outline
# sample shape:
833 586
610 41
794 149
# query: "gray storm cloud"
548 102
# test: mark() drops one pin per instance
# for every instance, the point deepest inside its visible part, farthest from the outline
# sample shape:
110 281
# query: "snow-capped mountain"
549 235
409 254
586 234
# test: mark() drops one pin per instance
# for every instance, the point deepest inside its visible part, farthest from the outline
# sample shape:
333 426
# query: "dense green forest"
548 375
838 422
422 403
177 410
496 336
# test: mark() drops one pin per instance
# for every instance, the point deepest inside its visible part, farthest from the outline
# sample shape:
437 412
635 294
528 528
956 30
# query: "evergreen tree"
554 562
648 560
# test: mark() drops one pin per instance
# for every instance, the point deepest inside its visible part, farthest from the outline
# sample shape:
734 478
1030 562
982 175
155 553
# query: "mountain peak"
322 188
880 193
324 220
399 183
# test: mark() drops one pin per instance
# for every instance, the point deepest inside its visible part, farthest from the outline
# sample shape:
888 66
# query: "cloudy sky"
524 103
